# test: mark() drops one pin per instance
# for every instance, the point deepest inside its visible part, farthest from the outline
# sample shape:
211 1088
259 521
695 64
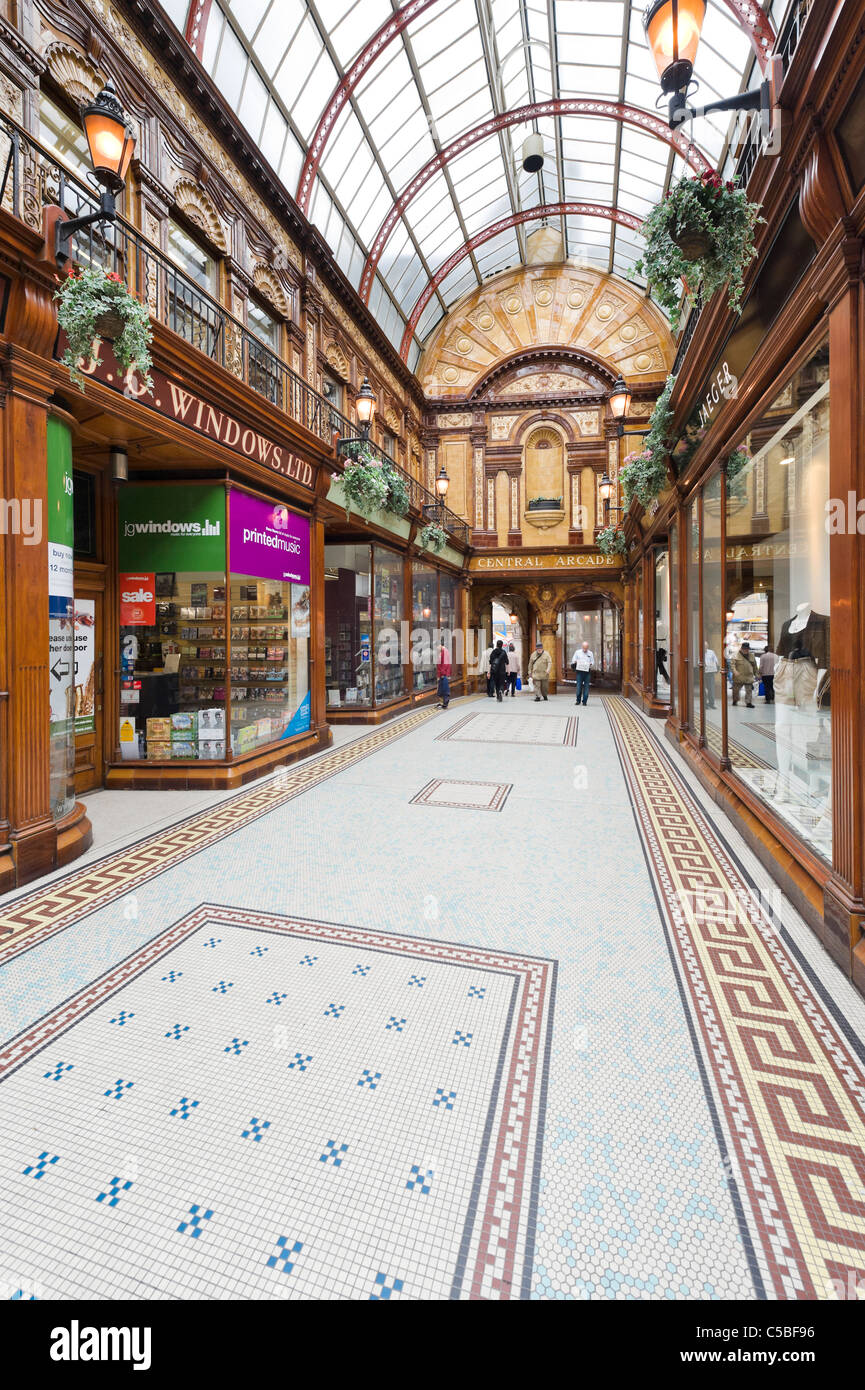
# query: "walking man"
513 670
582 663
499 668
768 662
443 671
485 670
744 669
540 666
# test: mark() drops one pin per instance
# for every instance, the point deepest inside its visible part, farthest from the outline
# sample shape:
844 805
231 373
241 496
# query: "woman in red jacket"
443 671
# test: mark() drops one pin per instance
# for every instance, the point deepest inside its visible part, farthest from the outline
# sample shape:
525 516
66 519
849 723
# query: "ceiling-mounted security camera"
533 154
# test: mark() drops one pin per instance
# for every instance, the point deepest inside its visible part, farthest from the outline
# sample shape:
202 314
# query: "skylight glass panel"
212 36
247 14
353 31
231 64
435 29
599 17
395 247
460 280
253 103
430 317
368 222
279 33
273 136
291 162
596 50
384 81
176 11
413 355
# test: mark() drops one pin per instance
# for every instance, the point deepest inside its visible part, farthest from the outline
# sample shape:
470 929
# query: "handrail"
32 179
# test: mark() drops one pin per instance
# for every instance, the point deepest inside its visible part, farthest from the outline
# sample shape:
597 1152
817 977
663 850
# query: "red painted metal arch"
343 90
748 13
563 106
625 219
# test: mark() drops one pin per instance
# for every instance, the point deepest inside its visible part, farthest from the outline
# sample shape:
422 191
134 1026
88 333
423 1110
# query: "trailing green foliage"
611 541
433 537
85 296
644 474
373 485
704 206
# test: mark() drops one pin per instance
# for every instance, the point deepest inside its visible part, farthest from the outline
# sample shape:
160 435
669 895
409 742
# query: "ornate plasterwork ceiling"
350 100
560 308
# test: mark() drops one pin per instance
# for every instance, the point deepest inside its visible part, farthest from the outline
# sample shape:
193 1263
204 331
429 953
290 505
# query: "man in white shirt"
710 670
582 663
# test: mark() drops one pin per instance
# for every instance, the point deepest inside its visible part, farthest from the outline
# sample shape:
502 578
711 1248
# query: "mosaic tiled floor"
464 796
534 729
557 1052
274 1091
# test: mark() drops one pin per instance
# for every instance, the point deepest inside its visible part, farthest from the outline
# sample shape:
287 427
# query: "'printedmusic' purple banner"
267 540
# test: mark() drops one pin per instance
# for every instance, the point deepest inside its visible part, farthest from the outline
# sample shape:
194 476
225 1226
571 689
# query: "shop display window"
778 603
693 581
425 615
173 665
348 657
449 616
210 667
269 660
387 616
713 631
662 625
674 614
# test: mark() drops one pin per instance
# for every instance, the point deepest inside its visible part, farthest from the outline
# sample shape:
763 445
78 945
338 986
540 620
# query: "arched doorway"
595 618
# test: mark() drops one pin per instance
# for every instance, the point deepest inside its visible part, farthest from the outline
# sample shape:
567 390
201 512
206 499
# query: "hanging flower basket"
373 485
611 541
703 234
95 305
693 243
433 537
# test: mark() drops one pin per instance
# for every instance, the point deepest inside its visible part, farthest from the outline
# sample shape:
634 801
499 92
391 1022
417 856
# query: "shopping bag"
519 684
761 689
531 685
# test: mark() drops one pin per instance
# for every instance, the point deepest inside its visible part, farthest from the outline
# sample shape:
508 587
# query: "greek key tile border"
785 1086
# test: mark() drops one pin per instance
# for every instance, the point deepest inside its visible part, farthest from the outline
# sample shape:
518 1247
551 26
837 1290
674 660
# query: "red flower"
731 187
112 275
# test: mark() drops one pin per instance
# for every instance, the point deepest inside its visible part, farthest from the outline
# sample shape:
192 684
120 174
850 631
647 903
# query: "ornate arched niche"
544 477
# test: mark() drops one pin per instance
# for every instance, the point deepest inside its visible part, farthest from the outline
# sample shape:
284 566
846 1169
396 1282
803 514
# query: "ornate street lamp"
673 29
365 406
112 144
619 398
436 510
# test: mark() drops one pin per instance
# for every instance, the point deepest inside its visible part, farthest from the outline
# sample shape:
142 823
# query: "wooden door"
89 681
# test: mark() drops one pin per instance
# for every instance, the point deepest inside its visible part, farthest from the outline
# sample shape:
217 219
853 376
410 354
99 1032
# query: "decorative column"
475 503
515 536
574 500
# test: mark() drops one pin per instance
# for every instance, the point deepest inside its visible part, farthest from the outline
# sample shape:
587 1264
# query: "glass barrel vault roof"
451 66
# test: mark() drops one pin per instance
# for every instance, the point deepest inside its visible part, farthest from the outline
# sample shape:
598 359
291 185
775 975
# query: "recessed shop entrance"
592 618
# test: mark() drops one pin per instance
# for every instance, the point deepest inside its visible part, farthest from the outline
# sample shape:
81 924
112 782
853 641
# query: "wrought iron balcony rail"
419 496
32 179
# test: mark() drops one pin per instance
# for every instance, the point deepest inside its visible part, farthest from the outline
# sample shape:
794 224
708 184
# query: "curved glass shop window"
777 596
713 631
61 617
674 613
387 617
693 649
425 621
348 662
662 625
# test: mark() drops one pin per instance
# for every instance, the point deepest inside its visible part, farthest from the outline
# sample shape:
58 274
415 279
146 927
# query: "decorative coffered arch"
598 324
645 121
624 219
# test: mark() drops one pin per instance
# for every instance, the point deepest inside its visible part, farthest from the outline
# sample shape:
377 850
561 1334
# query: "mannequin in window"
801 686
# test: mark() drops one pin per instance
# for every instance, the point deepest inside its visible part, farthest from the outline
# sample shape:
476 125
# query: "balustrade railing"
33 179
